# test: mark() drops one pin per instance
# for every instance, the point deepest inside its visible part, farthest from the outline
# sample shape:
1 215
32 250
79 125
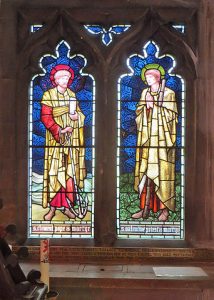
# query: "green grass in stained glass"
129 200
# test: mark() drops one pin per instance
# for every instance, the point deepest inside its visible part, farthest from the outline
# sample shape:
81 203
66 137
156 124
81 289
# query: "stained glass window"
150 154
35 27
180 27
61 147
107 34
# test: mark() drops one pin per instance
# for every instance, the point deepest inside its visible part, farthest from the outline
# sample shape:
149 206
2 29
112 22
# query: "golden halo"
150 67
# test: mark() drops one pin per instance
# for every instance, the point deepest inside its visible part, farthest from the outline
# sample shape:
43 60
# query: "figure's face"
151 79
62 81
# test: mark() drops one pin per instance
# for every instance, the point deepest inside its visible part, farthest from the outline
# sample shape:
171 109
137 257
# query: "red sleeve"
48 121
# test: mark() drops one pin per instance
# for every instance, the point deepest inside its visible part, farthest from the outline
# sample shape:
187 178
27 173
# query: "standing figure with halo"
64 163
156 120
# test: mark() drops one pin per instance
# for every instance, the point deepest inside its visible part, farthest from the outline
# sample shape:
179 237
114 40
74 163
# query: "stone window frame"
65 23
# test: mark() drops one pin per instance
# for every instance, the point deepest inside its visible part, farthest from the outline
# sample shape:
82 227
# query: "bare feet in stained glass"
49 216
138 215
69 214
164 215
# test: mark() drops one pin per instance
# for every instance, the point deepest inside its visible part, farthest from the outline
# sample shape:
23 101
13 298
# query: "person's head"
152 73
62 75
62 78
152 76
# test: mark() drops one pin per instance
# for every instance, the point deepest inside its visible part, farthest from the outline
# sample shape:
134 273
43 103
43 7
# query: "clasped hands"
149 101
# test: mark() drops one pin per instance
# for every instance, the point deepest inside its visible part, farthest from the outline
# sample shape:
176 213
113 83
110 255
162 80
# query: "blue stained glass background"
94 28
35 28
131 86
107 38
39 130
37 92
107 33
82 85
38 164
38 141
118 29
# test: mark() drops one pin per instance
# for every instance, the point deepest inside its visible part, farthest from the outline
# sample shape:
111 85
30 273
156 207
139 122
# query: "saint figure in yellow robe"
156 139
64 162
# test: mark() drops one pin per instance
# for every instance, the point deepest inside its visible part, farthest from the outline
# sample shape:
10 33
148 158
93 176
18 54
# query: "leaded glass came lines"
150 184
61 148
107 34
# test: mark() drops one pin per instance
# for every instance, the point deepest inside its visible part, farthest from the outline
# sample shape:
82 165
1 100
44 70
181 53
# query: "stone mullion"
205 90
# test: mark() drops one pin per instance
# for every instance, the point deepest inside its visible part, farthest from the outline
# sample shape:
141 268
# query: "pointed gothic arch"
106 65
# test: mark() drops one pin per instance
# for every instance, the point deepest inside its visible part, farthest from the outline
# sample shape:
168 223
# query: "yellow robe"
155 153
63 161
